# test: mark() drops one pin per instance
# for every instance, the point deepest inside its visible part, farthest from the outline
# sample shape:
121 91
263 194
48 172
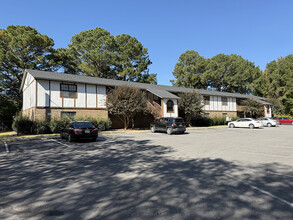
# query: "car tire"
269 124
251 126
232 126
61 135
69 138
153 129
169 131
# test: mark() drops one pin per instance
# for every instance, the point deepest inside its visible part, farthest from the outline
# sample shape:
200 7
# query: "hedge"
199 121
23 125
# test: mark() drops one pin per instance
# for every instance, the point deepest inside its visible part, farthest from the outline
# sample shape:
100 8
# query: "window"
170 106
68 90
268 109
225 114
206 100
206 114
224 101
68 114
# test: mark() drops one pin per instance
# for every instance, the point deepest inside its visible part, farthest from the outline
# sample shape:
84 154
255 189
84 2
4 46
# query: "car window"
166 120
179 120
82 125
239 120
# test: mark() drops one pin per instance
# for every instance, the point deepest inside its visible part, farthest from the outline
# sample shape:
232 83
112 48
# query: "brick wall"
42 113
220 113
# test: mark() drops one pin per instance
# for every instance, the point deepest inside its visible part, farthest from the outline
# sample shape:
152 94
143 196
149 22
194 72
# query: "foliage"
189 70
8 109
278 82
22 47
100 123
200 120
252 108
190 104
56 125
277 106
227 73
100 54
22 125
41 127
126 102
231 73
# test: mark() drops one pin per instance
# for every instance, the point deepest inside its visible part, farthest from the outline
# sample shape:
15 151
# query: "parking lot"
215 173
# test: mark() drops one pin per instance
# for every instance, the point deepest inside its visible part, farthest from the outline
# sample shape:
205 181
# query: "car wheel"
269 124
169 131
251 126
61 135
69 138
232 126
153 129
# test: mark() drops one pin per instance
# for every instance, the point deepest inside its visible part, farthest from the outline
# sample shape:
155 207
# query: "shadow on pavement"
127 179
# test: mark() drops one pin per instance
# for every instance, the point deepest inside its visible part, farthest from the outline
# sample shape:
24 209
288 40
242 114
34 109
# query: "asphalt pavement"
216 173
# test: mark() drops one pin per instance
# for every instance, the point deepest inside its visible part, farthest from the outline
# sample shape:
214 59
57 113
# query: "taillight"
258 122
95 130
77 131
173 124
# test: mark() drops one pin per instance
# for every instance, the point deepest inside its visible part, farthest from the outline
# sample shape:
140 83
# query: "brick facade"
55 113
220 113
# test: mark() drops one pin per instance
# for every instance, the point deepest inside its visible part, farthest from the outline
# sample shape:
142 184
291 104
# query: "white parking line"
262 191
6 147
267 155
59 142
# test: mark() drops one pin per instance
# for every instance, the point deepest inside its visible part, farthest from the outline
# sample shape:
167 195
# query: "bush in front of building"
22 125
57 125
201 121
100 123
42 127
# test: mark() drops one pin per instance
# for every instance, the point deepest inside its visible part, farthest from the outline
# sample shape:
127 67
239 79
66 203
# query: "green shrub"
42 127
100 123
200 121
22 124
56 125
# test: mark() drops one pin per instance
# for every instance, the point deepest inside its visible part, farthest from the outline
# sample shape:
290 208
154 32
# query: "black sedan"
170 125
79 130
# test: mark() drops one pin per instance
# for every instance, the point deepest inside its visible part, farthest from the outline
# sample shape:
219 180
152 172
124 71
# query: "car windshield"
82 125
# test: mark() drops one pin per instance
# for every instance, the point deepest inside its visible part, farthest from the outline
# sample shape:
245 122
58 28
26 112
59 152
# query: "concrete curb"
106 133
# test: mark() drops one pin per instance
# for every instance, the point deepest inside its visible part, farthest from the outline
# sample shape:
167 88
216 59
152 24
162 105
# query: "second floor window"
68 90
224 101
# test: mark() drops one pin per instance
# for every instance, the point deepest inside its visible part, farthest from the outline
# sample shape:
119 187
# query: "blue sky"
258 30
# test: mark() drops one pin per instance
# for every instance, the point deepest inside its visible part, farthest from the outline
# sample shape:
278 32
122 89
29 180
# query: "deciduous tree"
191 104
253 108
126 102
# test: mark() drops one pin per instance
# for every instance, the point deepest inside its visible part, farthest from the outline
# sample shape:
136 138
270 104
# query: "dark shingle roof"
159 90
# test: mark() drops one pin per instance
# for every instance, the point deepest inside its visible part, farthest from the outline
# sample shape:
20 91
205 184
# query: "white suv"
268 122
